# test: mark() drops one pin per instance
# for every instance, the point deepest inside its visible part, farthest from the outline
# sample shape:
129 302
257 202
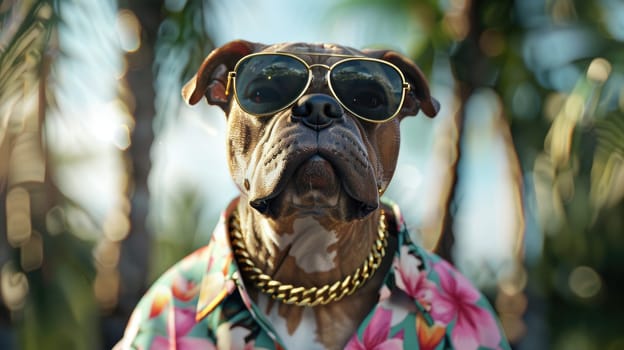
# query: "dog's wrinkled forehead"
300 49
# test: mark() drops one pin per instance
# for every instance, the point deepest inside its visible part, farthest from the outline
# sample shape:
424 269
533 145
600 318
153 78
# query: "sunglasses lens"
266 84
370 89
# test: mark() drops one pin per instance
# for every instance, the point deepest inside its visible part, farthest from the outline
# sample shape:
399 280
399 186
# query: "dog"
309 256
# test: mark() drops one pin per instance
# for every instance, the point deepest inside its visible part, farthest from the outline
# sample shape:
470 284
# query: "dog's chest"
295 331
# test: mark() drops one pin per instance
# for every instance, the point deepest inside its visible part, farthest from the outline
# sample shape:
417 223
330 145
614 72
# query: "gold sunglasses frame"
232 79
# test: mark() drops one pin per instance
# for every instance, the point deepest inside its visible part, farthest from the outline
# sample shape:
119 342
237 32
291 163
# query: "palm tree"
172 46
49 270
69 276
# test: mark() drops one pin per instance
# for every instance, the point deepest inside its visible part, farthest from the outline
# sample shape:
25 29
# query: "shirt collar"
221 274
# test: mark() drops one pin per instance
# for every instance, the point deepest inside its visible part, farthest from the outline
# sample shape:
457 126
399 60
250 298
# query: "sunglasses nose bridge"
319 77
319 65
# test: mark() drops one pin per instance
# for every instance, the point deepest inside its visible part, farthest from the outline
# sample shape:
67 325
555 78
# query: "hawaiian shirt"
202 303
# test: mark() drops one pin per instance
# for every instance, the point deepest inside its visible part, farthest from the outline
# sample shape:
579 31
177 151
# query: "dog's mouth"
315 183
310 178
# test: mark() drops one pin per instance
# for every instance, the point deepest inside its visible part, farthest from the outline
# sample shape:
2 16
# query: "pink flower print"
182 321
384 293
475 326
376 335
411 279
162 343
179 324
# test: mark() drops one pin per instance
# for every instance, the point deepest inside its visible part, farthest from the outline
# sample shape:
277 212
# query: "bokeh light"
585 282
129 31
107 177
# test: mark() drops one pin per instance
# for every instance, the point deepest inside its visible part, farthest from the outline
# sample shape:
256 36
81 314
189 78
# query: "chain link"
312 296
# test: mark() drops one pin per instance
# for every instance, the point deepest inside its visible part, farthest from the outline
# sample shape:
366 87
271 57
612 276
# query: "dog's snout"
317 111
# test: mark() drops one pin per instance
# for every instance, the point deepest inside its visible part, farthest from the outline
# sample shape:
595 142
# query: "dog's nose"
317 111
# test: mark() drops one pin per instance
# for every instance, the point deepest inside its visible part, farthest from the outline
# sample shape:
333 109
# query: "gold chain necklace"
311 296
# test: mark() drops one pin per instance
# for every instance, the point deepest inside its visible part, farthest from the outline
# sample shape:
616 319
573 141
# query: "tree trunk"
471 69
133 265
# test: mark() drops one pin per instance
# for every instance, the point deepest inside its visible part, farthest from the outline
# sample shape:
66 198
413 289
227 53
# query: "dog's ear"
211 78
418 97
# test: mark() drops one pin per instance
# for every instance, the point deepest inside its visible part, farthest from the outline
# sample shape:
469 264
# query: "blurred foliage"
557 66
62 267
62 312
182 42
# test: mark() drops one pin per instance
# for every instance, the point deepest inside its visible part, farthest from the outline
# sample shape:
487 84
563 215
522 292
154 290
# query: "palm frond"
607 172
183 42
184 39
48 100
25 35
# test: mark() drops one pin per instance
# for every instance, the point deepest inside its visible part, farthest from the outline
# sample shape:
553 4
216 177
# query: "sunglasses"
267 83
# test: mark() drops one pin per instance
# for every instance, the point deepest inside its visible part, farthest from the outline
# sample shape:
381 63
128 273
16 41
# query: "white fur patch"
310 245
304 337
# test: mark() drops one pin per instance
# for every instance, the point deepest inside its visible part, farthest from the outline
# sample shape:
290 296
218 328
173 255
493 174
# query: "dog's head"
313 129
